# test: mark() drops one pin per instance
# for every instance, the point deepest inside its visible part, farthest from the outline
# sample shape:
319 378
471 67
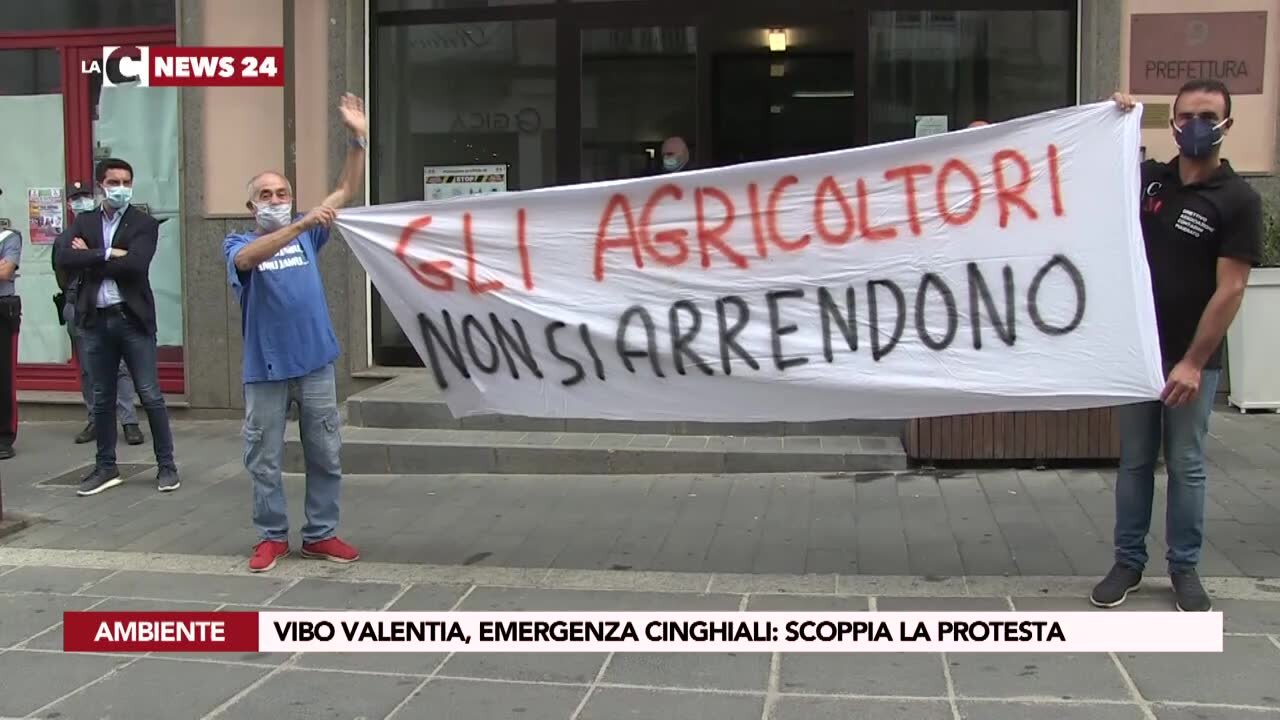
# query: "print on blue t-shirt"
284 317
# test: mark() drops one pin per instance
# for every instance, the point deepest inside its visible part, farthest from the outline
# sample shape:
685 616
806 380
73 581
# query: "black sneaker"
1116 586
6 452
167 479
133 435
1188 593
99 480
87 435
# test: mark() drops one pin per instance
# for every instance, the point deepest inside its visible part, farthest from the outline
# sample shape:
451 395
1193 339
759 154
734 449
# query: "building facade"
554 91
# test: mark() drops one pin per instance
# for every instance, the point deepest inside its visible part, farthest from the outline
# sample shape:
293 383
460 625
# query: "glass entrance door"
639 91
781 90
777 105
31 182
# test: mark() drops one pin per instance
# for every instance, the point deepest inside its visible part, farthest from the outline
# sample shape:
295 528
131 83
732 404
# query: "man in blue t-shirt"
289 353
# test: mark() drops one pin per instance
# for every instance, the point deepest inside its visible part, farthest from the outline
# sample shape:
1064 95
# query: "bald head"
978 123
675 153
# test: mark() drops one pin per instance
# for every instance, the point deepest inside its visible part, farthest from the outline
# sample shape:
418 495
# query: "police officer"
80 199
1202 224
10 322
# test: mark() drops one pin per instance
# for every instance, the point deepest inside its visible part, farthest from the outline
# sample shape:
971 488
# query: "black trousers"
10 323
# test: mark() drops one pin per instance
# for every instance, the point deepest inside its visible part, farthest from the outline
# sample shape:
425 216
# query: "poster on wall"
44 208
441 182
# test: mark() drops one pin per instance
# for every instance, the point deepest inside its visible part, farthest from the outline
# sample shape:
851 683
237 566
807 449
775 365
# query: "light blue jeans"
1143 428
266 413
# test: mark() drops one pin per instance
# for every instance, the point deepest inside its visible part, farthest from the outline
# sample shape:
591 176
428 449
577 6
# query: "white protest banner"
992 269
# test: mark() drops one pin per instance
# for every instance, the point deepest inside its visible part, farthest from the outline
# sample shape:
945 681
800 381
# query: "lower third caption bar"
793 632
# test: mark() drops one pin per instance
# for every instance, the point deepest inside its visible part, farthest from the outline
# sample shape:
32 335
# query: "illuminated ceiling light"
777 40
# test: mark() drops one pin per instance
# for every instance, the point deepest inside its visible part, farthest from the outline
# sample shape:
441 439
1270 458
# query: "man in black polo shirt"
1202 225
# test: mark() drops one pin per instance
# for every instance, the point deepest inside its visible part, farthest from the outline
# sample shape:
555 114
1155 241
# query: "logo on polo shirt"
1154 203
1193 223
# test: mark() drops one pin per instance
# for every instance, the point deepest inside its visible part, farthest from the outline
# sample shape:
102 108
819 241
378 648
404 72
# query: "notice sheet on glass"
45 212
441 182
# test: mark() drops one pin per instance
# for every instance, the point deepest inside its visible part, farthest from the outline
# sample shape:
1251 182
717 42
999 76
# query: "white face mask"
272 217
83 204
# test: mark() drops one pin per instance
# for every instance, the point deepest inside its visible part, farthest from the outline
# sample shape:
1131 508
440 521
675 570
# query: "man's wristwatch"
359 141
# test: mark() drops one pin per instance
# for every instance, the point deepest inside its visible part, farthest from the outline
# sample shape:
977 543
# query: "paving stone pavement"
952 523
985 540
38 680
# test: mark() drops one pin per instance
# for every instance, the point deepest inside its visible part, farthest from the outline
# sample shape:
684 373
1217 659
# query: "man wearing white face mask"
81 201
289 353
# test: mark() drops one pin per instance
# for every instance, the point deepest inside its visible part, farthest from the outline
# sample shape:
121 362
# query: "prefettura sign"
542 632
992 269
173 66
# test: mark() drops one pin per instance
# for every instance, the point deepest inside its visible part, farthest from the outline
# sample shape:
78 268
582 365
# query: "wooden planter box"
1016 436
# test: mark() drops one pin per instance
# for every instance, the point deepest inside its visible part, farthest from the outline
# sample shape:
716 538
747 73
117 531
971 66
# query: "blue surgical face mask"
117 196
83 204
671 163
1198 137
272 216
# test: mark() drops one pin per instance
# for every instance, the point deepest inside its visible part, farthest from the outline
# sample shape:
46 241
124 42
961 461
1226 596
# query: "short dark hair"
100 172
1215 87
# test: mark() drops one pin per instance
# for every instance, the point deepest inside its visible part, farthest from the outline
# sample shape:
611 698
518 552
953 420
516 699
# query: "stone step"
412 402
383 451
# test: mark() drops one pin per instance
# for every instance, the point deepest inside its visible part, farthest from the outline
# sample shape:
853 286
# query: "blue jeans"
1143 428
124 383
115 336
266 412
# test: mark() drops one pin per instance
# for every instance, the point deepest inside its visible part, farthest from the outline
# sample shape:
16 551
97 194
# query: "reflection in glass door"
31 145
460 94
639 89
967 65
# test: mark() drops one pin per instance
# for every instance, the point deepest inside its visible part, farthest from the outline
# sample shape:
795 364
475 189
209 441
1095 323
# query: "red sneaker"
331 549
266 553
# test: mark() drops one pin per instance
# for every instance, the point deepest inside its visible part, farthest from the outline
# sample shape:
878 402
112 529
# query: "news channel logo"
121 65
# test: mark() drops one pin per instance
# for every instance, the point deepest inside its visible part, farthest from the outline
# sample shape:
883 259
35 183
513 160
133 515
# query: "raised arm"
351 108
